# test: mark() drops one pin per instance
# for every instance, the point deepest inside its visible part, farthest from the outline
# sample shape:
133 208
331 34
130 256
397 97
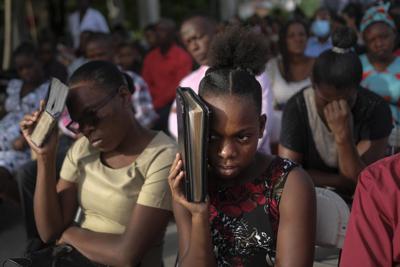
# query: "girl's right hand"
175 180
27 125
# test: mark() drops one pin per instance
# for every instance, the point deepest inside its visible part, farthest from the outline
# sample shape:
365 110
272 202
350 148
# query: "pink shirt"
373 234
193 81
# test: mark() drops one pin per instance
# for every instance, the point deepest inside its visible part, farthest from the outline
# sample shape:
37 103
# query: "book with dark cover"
193 132
55 104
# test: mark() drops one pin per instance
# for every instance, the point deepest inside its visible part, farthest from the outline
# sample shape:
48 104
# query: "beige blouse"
107 196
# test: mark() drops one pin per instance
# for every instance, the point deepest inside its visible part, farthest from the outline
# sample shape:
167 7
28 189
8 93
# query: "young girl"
23 96
261 209
117 173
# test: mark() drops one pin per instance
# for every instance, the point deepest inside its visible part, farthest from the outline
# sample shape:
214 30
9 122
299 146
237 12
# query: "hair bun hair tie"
341 50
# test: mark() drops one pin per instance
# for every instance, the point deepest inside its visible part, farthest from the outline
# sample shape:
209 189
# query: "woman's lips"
227 170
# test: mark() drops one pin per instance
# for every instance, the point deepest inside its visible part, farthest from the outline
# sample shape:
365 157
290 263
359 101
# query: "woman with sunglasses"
117 173
333 128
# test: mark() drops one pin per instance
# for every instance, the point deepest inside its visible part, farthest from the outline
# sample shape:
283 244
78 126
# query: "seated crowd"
322 111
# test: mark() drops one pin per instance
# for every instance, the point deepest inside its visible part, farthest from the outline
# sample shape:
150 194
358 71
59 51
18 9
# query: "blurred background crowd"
164 44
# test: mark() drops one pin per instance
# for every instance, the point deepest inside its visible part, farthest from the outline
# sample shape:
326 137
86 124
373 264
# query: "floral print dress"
244 218
16 108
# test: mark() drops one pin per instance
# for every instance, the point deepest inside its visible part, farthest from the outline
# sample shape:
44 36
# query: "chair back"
394 141
332 218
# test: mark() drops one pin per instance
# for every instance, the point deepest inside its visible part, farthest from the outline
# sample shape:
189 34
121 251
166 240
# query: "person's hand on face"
338 117
175 180
27 125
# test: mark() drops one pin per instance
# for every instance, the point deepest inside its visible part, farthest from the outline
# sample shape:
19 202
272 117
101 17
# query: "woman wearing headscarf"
381 67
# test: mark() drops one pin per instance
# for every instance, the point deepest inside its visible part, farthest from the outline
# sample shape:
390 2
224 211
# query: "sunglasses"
90 117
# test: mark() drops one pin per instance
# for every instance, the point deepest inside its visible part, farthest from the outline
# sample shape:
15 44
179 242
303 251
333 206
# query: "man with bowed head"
197 33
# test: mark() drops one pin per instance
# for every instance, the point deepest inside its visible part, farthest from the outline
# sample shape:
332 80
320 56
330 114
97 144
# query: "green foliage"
175 9
309 6
131 14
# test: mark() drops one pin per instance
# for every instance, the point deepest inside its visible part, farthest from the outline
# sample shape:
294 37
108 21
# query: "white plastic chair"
332 218
394 140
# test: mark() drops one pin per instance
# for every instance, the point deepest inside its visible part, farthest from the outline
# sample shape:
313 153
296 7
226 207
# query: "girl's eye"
243 138
213 137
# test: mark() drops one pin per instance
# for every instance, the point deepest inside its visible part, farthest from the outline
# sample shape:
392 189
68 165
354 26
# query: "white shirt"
282 90
93 20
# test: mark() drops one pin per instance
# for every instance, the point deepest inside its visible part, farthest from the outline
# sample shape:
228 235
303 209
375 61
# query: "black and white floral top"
16 108
244 218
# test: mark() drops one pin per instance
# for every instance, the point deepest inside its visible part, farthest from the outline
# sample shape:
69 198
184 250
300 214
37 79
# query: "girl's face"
99 50
379 39
29 69
235 129
127 56
100 114
296 38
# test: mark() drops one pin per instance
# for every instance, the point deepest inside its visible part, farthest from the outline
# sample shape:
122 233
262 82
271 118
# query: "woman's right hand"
175 180
27 125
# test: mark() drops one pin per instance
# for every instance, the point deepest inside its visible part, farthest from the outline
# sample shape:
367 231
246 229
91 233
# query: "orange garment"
164 72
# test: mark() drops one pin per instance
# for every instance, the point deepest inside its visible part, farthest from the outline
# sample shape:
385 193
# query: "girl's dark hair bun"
239 48
344 37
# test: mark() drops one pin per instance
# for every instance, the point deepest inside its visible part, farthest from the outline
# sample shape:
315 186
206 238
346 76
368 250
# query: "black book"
193 132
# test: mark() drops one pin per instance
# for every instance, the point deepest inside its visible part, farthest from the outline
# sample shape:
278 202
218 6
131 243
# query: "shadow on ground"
13 239
12 231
